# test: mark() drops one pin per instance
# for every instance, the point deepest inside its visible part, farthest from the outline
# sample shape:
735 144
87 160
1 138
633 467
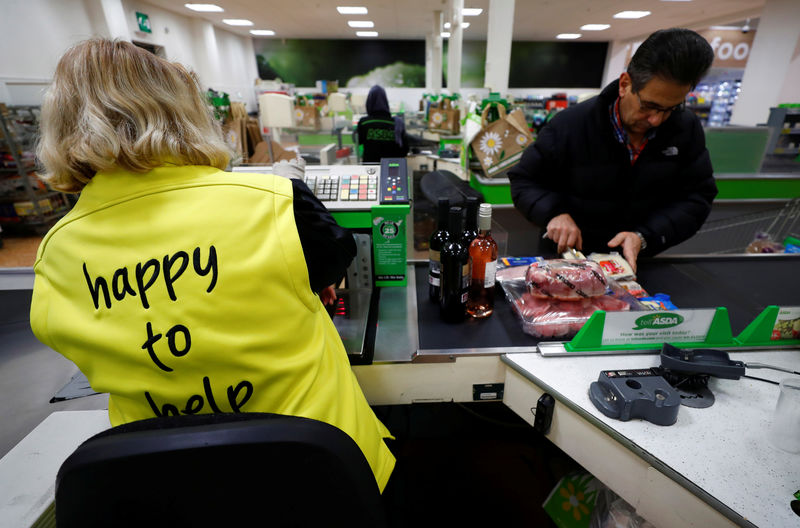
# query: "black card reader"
393 181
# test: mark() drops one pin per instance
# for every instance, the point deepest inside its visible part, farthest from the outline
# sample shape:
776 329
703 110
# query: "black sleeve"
533 187
695 191
327 247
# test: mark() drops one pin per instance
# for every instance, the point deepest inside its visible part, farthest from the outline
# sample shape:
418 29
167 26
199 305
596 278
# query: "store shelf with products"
713 101
783 146
26 203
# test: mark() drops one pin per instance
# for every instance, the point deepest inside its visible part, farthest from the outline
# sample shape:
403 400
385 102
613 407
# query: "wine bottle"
471 221
483 255
438 238
455 273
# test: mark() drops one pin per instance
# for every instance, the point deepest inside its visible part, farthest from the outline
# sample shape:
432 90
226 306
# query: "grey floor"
30 374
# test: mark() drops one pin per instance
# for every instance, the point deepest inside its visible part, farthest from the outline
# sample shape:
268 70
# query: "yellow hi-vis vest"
185 290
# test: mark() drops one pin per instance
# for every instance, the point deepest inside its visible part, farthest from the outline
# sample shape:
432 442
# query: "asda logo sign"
658 321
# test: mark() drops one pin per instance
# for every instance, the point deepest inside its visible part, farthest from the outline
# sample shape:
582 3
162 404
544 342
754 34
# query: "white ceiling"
538 20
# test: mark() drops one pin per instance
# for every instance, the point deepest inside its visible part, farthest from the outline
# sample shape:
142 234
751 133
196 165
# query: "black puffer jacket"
577 166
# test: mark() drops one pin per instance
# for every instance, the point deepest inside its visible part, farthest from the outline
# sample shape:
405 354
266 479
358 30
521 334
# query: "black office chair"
220 470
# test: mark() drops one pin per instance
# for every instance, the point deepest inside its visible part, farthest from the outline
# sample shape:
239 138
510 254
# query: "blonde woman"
177 287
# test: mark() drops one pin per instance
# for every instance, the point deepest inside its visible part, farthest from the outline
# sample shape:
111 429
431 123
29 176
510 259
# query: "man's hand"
563 230
631 245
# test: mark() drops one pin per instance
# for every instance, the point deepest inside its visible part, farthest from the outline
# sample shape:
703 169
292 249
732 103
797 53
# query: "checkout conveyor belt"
744 284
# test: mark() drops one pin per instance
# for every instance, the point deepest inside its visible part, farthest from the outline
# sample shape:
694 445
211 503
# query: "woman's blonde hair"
114 104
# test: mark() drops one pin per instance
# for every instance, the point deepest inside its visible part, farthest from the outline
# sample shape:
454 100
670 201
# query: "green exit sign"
144 22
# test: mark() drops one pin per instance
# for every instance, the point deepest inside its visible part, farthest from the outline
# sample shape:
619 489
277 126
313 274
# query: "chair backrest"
250 469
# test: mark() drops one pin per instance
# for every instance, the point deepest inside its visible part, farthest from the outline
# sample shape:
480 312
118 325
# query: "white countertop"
722 449
28 472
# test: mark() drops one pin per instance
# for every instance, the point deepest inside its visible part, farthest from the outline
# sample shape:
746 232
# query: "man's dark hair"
677 55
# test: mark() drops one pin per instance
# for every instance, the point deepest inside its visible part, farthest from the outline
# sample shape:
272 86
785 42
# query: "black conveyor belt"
745 285
501 329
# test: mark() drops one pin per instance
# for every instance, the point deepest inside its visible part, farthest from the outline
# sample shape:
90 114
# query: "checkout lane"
744 284
714 467
419 358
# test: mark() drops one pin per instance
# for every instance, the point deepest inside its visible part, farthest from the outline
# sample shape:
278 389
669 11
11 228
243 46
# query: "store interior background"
34 34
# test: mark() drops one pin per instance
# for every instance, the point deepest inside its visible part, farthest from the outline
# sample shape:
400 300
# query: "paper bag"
306 115
499 144
444 119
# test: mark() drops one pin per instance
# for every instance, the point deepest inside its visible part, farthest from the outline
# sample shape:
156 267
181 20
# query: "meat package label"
675 326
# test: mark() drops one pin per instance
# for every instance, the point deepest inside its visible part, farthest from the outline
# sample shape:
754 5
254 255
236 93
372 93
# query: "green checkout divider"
758 333
590 337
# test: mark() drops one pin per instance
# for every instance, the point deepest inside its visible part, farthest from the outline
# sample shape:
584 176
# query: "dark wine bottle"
471 221
438 238
455 275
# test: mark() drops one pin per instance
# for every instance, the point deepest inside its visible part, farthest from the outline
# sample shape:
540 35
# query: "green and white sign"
787 323
676 326
144 22
389 244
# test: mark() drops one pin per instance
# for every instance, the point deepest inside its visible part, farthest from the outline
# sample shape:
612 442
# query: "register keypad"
352 187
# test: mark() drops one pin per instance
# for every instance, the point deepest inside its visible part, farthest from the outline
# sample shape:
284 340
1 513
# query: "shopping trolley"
734 234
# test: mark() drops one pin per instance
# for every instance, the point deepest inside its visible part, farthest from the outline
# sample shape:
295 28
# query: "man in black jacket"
629 168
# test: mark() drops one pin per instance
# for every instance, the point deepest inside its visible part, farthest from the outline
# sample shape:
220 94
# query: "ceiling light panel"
361 23
366 33
262 32
352 10
632 14
471 11
594 27
568 36
204 8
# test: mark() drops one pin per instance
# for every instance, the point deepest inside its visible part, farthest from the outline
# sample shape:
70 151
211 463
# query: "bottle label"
466 275
434 269
490 274
464 297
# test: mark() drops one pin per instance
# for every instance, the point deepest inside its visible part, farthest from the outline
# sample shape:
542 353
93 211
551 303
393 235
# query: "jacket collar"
610 93
118 183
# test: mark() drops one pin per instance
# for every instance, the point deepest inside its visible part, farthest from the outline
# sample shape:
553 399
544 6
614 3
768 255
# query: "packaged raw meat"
566 279
558 318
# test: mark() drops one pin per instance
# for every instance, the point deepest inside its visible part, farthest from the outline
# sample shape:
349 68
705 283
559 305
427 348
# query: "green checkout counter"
713 467
743 168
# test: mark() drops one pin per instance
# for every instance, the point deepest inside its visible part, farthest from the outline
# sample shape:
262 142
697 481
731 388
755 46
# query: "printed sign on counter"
787 323
675 326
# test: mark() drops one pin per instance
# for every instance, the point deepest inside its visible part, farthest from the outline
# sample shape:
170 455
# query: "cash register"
373 201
